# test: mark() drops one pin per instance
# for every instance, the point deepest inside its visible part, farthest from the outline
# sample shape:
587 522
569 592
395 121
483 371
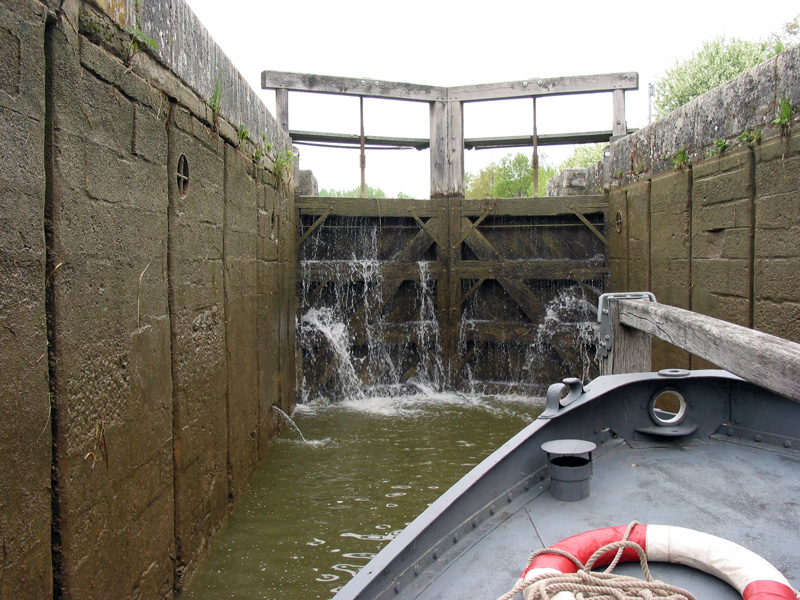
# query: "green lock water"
318 510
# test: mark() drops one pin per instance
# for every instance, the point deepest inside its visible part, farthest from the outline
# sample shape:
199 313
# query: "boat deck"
759 511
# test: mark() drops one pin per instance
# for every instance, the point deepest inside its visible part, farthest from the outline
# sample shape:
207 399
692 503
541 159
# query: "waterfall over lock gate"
385 311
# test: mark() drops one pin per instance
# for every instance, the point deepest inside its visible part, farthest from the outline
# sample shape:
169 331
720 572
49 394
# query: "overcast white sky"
455 43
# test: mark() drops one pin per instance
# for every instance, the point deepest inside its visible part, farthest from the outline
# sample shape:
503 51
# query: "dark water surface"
317 512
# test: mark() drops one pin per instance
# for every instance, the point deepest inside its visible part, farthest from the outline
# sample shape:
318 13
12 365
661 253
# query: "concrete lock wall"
718 233
146 312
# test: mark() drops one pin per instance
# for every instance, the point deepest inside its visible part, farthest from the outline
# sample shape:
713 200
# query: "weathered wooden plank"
299 137
536 207
545 86
764 359
465 359
282 108
414 250
369 207
528 303
447 149
631 349
403 266
429 229
350 86
392 272
593 229
448 309
543 139
472 290
550 139
374 88
515 332
531 269
620 126
313 227
472 227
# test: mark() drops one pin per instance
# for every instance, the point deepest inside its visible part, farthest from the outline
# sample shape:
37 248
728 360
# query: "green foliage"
282 169
369 192
788 37
215 103
584 155
750 136
512 177
720 146
680 160
718 61
139 41
258 154
243 133
783 115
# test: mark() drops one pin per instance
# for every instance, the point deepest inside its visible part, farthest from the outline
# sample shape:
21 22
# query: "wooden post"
282 108
450 288
447 149
620 126
535 153
630 348
363 154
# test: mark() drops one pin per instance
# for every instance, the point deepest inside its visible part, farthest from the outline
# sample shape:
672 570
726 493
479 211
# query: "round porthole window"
668 407
618 222
183 176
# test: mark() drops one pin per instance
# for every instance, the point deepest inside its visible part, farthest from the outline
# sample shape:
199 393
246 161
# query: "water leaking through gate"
480 296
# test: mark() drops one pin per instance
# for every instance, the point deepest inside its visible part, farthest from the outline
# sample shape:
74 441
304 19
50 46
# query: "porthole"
618 222
668 407
183 176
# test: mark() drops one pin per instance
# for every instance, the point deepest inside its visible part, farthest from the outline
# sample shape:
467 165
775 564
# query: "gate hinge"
605 344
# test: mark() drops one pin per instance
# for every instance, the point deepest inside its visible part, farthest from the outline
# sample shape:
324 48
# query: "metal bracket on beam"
605 344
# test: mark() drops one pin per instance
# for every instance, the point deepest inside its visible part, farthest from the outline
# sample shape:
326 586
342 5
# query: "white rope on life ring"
750 574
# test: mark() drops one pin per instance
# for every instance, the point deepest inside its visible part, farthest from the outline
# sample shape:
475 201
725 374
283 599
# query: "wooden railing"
766 360
446 140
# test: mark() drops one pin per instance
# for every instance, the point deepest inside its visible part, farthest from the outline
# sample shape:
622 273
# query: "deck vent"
569 464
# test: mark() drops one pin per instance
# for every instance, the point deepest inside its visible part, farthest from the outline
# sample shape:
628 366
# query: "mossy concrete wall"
146 316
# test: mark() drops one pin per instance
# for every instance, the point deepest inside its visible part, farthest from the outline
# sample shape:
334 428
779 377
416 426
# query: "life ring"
750 574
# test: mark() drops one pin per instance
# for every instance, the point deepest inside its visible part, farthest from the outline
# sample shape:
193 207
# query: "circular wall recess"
183 176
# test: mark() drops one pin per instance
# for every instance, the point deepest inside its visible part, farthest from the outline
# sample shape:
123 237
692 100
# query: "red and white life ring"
751 575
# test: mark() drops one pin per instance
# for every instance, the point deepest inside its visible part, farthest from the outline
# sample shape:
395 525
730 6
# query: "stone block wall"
146 322
717 232
25 416
723 240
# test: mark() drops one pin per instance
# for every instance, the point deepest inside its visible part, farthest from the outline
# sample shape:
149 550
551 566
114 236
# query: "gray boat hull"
730 467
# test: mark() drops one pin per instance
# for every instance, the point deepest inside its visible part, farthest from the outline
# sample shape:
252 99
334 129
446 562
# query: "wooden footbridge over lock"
495 268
